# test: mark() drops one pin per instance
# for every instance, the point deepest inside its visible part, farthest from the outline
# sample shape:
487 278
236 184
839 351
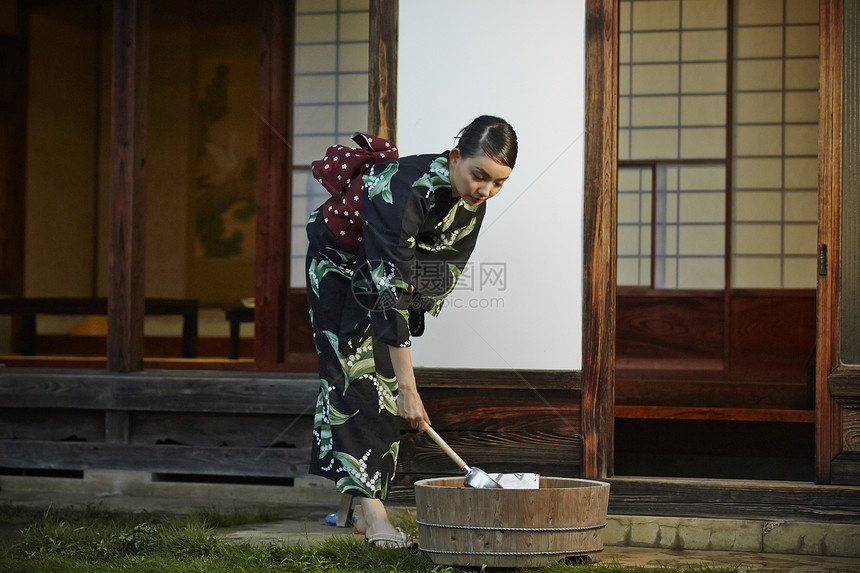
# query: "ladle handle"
446 448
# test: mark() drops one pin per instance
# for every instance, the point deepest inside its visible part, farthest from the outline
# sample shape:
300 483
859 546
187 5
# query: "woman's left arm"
409 403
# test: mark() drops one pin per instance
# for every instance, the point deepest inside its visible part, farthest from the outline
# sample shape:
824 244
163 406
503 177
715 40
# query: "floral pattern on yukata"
416 239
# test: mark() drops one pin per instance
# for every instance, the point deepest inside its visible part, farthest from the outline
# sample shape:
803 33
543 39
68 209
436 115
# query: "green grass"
98 540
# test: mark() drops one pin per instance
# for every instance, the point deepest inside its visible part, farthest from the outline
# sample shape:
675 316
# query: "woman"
386 248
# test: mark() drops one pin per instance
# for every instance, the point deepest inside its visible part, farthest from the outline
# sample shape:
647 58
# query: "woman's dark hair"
491 136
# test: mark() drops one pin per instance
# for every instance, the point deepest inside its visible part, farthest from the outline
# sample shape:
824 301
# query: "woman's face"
476 179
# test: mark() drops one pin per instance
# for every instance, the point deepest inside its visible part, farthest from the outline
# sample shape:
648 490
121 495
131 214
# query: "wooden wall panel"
217 430
497 430
245 424
261 423
501 411
51 424
845 390
773 333
658 330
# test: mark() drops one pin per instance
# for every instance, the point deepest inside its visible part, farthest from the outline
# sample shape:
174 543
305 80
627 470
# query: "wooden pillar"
598 301
127 186
828 423
273 174
382 93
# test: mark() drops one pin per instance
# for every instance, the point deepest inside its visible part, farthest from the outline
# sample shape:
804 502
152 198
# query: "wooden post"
127 174
382 92
273 174
828 423
598 301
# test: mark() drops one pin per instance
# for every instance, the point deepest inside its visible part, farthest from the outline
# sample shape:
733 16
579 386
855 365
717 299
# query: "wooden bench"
29 308
236 316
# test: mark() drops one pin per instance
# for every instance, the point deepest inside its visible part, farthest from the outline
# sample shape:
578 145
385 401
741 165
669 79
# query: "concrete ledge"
760 536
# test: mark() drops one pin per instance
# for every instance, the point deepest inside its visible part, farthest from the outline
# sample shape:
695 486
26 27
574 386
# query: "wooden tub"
464 526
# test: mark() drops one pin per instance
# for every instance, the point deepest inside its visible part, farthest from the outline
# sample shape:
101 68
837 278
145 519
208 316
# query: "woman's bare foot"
376 526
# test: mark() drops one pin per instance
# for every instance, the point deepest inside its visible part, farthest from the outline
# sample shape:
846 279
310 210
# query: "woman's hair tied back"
491 136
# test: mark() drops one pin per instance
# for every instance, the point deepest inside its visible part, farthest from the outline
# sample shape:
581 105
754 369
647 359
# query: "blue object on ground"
331 518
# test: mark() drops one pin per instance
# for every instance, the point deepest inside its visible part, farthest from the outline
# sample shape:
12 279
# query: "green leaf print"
342 255
393 451
319 268
358 478
313 216
386 389
381 184
437 178
452 214
320 422
445 241
357 364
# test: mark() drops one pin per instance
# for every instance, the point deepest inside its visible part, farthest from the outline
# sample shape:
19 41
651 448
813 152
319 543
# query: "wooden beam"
127 186
598 301
382 96
734 498
710 413
258 462
159 391
828 427
273 176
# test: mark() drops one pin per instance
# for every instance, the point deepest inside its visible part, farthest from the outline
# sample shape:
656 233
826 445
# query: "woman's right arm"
409 403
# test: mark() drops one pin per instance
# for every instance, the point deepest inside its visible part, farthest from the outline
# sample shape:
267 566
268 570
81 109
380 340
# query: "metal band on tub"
532 529
513 553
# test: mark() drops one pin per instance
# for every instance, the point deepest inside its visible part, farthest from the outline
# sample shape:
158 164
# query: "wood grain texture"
51 424
263 462
126 257
382 87
543 453
700 413
494 378
273 176
218 430
673 328
692 389
772 333
508 527
598 304
845 468
734 498
850 247
152 390
828 424
502 409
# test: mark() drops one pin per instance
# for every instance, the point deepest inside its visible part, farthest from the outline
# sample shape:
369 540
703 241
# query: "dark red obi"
340 173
